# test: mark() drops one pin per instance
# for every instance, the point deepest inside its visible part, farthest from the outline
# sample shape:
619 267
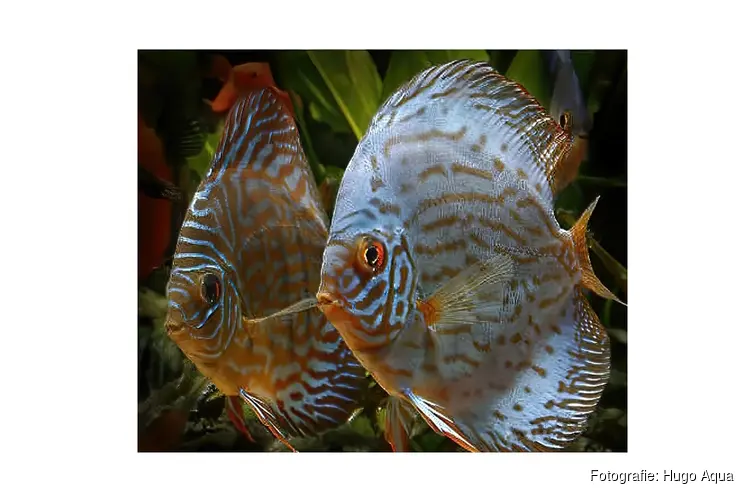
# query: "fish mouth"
327 300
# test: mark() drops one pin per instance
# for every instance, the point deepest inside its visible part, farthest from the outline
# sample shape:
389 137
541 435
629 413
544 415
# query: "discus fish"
251 243
568 106
449 277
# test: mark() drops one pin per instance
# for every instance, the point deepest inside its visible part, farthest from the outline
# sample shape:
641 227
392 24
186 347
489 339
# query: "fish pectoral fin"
302 305
399 423
233 406
266 416
436 418
476 290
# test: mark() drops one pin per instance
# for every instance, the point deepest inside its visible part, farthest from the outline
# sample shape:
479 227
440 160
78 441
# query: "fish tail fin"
580 246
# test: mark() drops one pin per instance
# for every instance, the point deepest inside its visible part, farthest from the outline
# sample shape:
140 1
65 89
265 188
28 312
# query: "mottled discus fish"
448 275
250 245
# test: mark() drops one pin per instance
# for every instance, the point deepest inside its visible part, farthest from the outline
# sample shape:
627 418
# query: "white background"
69 246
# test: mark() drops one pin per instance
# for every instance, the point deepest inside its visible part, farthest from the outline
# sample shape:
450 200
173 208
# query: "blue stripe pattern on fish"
250 245
448 275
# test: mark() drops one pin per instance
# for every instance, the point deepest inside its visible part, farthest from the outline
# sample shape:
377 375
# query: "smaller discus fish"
251 244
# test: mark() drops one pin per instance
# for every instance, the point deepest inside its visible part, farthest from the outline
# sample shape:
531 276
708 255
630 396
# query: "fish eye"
565 120
210 288
372 254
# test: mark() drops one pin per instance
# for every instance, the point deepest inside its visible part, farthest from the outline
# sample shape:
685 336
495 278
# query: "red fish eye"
210 288
373 255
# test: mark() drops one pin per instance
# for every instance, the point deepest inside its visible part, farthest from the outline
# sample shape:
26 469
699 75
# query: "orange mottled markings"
517 407
460 168
557 298
527 389
477 148
421 111
439 95
549 349
449 246
498 164
443 222
501 340
516 313
522 174
549 404
376 183
516 338
482 347
423 137
430 313
460 357
541 371
498 415
433 170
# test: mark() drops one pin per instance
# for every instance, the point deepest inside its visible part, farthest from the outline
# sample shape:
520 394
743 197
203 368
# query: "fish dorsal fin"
515 127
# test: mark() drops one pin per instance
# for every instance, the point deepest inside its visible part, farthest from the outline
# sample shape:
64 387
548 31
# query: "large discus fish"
448 275
251 244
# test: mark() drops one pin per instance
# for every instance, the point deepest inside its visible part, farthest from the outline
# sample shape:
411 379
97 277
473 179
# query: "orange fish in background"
154 215
240 80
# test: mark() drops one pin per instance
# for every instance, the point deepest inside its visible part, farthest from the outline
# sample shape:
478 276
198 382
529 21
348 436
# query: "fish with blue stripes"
448 275
250 245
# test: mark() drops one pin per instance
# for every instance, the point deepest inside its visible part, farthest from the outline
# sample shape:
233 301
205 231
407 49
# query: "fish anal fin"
465 297
439 421
399 422
580 246
236 415
266 416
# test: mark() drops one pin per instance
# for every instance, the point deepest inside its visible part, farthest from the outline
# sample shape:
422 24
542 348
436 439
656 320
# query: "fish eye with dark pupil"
372 256
210 288
563 120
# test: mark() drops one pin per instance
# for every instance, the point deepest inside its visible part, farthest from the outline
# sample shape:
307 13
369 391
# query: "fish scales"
456 168
253 237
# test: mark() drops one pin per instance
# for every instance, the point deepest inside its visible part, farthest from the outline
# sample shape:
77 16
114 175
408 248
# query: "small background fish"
332 113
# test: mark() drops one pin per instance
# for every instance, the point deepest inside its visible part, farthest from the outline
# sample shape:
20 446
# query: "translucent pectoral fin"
442 424
473 292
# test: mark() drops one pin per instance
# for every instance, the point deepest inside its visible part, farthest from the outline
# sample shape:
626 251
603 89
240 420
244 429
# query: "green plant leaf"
307 144
296 72
200 162
353 80
405 64
529 70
